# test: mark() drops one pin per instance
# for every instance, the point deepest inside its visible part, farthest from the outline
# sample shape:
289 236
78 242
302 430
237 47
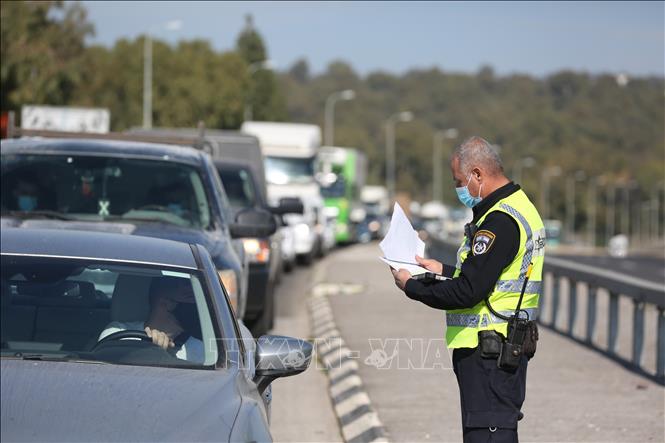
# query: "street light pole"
593 208
437 162
248 114
609 223
655 208
551 171
404 116
522 163
172 25
570 202
329 126
147 82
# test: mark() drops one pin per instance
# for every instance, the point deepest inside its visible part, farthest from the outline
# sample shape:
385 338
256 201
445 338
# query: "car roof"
96 245
84 146
233 165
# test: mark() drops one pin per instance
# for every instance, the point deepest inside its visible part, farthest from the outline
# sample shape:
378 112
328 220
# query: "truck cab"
290 151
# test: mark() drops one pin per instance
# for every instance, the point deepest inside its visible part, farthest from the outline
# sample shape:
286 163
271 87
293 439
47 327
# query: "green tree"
263 100
41 44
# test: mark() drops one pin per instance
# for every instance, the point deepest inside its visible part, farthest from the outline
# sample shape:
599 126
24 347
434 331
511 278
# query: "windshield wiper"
37 214
48 357
139 219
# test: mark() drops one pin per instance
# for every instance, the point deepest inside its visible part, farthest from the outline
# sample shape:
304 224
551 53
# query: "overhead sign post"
66 119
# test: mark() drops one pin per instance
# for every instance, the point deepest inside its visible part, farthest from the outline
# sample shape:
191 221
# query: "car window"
239 187
79 310
105 188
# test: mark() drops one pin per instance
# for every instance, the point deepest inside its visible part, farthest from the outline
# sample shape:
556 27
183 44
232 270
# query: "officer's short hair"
476 151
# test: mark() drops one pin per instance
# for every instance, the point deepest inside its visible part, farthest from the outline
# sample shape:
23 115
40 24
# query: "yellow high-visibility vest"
463 324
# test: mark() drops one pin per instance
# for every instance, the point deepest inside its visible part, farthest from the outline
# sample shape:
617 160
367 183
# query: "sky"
536 38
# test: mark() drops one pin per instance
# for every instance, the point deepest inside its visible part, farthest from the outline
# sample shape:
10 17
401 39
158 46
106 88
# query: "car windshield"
104 188
238 186
82 310
284 170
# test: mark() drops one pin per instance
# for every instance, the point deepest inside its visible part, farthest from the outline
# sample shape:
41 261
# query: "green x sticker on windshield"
482 242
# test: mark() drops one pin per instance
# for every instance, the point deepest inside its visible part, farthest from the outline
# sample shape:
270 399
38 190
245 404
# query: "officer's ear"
477 173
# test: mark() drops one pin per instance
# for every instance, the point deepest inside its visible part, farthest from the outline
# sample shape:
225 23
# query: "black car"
243 189
129 187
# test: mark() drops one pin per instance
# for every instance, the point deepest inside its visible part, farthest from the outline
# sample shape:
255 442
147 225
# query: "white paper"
401 244
414 269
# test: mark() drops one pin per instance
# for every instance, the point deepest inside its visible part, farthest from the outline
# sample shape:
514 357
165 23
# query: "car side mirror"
280 356
288 206
250 222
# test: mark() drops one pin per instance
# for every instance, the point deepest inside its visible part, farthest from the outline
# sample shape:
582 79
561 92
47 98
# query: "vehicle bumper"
304 239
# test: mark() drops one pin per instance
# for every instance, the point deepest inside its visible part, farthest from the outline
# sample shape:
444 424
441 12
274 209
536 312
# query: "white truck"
290 151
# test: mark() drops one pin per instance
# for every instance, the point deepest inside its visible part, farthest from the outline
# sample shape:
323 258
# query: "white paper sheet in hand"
401 244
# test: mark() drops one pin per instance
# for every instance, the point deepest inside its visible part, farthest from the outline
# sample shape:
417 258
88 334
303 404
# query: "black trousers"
491 398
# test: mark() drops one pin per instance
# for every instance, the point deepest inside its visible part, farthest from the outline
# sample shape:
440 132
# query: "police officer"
499 266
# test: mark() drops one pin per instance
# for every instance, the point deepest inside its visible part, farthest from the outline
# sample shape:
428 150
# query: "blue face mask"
27 202
465 196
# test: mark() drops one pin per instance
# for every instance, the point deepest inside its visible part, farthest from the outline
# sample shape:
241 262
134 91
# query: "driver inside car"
173 322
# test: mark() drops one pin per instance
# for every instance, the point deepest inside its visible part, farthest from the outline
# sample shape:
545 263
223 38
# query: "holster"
531 339
490 343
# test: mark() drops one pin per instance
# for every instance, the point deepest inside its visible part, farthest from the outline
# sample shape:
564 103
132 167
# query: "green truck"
342 173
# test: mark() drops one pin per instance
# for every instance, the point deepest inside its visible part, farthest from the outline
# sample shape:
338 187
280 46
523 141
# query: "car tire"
306 259
288 266
265 321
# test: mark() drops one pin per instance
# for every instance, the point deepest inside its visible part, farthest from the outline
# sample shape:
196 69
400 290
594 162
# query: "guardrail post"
572 305
660 352
591 312
638 331
555 299
613 324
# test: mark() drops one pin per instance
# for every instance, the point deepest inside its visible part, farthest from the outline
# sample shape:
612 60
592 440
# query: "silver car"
107 337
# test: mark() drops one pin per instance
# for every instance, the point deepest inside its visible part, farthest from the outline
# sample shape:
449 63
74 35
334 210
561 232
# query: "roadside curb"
358 420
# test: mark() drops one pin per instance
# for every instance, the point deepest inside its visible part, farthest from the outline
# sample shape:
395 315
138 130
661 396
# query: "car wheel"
306 259
288 266
264 322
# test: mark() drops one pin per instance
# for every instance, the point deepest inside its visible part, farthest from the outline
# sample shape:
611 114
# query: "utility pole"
404 116
329 111
437 161
147 82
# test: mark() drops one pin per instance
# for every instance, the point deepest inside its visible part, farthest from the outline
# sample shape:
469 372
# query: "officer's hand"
430 264
401 277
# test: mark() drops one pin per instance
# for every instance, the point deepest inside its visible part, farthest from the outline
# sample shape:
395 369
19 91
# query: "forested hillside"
574 120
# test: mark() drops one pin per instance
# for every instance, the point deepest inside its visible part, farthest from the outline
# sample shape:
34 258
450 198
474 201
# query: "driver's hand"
159 338
162 318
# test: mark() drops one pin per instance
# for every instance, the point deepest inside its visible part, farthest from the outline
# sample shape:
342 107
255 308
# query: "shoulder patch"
482 241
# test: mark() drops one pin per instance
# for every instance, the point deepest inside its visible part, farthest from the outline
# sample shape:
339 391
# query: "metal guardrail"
640 292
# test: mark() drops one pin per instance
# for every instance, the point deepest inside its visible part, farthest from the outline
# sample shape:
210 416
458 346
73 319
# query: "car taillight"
257 250
230 282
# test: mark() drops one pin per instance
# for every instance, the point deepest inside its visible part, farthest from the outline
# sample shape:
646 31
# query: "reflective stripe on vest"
529 240
532 287
475 320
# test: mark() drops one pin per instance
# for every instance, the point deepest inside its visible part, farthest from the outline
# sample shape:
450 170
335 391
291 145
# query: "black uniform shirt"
493 248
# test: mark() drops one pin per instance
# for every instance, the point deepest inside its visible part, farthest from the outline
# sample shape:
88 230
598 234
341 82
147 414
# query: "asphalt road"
301 408
574 394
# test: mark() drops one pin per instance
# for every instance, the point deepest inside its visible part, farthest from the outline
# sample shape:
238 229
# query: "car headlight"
230 282
257 250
